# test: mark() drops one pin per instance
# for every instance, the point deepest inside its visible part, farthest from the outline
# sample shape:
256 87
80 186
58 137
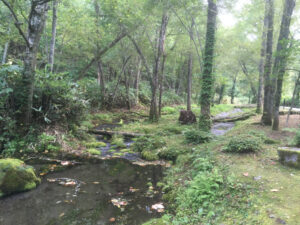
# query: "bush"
197 136
297 138
148 155
243 144
169 153
47 143
148 143
118 141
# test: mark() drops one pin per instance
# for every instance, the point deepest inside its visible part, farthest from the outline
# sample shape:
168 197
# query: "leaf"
274 190
246 174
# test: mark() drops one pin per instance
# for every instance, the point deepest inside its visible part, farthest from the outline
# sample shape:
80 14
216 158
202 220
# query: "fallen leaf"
43 174
70 183
246 174
274 190
62 214
112 219
158 207
96 182
131 189
65 163
51 180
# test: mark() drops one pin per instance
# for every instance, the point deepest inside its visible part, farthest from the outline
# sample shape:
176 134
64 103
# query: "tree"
268 85
53 37
262 61
36 23
207 79
282 56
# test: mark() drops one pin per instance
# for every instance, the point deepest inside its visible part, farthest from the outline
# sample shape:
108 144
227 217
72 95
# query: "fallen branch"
111 133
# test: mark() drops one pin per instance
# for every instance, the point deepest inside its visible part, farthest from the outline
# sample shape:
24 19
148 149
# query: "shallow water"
89 201
219 129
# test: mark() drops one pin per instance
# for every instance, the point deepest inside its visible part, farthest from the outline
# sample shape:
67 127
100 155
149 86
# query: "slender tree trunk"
296 89
252 86
100 78
53 38
137 80
161 84
282 56
36 25
154 116
268 107
262 62
190 70
5 51
232 93
221 94
207 79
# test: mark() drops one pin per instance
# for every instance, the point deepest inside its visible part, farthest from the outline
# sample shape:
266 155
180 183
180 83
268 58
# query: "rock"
187 117
16 176
289 156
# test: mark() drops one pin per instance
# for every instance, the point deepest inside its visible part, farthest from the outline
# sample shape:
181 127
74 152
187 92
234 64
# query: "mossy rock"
16 176
96 144
289 156
93 151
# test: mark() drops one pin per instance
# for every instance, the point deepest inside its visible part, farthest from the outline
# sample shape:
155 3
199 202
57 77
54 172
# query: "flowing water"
91 194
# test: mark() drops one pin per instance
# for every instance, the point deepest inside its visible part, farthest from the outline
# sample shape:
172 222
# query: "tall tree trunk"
36 23
137 80
207 79
268 107
262 62
190 70
221 94
53 38
252 86
153 116
5 51
232 93
161 84
296 89
282 56
100 78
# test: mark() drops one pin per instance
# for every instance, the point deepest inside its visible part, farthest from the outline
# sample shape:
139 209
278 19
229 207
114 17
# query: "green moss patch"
96 144
289 156
94 151
15 177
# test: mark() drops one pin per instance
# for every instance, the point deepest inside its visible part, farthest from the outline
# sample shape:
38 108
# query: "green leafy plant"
197 136
243 144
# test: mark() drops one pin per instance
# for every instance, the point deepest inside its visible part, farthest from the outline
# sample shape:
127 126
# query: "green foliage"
205 123
168 110
95 144
102 118
148 143
93 151
170 153
47 143
195 136
243 144
149 155
118 141
297 138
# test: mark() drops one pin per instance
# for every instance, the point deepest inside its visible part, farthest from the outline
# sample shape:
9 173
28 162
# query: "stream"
92 194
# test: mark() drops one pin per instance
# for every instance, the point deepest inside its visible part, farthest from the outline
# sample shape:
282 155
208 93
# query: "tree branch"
17 22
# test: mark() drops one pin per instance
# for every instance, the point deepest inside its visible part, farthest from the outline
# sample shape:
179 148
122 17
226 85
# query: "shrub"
197 136
297 138
47 143
243 144
169 153
148 143
118 141
94 151
149 155
96 144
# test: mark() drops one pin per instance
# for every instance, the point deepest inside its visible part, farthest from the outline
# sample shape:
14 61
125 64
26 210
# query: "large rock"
289 156
16 176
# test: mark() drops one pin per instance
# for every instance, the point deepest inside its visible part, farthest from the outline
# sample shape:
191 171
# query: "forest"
149 112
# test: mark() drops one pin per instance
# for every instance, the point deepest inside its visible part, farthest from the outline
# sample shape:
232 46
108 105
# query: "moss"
150 156
125 150
118 154
96 144
94 151
159 221
15 176
289 156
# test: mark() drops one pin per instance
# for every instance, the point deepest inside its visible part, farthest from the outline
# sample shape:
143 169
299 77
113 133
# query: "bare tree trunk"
161 84
262 62
53 38
137 81
5 51
221 94
207 79
154 116
190 70
282 56
36 25
232 93
268 107
296 89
